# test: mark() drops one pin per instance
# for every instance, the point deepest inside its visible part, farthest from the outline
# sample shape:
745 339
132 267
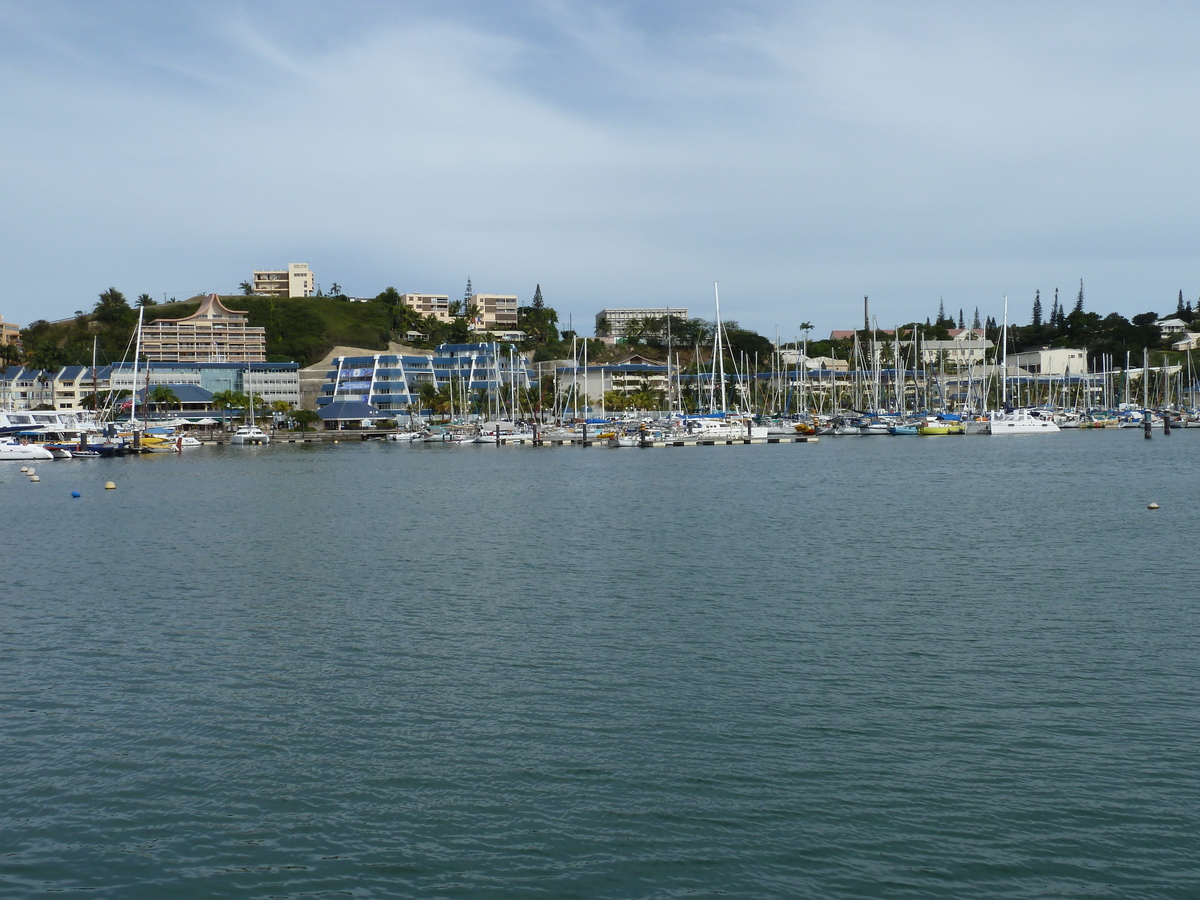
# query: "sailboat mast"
718 349
137 351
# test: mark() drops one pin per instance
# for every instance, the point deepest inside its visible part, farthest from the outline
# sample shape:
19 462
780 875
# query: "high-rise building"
10 332
297 280
214 333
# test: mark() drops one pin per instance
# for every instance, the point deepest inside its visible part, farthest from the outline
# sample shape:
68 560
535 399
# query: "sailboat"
249 433
1016 421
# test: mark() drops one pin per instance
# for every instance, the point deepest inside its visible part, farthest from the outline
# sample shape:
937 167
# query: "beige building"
1049 361
436 305
214 333
297 280
10 333
496 310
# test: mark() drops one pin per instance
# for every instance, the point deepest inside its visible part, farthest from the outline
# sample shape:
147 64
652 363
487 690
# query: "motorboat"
23 449
1022 421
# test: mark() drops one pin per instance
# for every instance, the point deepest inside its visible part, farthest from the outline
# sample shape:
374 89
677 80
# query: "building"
629 376
1049 361
71 387
214 333
436 305
495 311
297 280
1168 327
10 333
614 323
391 382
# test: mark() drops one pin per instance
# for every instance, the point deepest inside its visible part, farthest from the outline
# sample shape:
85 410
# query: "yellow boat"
939 428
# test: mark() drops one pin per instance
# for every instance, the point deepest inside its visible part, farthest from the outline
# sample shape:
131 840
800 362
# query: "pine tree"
1079 300
962 323
1055 312
1179 305
467 294
538 302
941 310
975 321
1037 309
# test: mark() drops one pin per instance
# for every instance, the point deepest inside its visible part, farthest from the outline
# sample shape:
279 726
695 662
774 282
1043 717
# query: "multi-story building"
614 323
297 280
495 311
436 305
630 376
1048 361
214 333
10 332
71 387
390 382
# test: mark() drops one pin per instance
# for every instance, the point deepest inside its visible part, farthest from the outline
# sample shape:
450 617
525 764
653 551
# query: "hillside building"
214 333
436 305
496 311
297 280
10 332
614 323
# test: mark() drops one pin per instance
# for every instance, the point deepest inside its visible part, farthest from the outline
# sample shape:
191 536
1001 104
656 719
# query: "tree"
1037 309
305 417
467 293
538 302
281 406
246 288
975 321
223 400
161 395
1179 310
336 290
144 300
113 309
1079 300
962 323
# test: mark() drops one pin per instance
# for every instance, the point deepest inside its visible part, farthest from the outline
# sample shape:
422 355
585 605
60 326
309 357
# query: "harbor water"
866 667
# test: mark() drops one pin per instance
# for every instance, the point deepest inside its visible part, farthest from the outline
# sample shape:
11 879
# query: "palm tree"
223 400
162 395
146 300
335 289
246 288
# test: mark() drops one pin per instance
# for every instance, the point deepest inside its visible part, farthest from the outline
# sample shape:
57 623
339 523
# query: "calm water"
871 667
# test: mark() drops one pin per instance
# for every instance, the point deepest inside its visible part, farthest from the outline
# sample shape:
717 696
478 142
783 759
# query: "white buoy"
24 470
109 486
30 471
1152 506
35 478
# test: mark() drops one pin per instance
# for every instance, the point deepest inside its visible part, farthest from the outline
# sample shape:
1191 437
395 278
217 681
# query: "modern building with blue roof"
391 382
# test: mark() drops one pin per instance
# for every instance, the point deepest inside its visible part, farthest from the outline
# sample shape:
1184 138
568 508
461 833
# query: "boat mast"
1004 356
137 351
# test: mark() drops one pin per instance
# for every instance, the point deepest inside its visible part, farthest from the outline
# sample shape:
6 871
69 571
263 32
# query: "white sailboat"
1016 421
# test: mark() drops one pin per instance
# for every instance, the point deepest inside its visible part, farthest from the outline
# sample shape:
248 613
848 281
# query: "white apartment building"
616 321
297 280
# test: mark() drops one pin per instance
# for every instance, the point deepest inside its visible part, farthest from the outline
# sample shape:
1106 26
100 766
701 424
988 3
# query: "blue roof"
187 393
348 409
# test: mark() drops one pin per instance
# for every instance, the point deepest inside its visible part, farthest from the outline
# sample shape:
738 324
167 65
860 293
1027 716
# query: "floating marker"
1152 506
35 478
109 486
24 470
30 471
76 494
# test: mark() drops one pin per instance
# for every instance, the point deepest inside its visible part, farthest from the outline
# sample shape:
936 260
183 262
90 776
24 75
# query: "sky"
801 155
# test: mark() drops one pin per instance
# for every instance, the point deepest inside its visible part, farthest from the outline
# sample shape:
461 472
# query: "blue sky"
619 153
